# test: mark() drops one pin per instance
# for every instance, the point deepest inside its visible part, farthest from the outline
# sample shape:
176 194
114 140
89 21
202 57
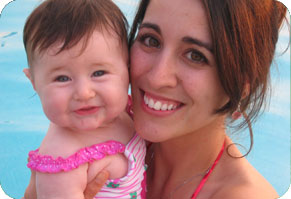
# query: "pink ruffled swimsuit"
129 186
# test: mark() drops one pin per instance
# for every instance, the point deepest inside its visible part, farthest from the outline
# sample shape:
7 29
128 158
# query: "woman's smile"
159 105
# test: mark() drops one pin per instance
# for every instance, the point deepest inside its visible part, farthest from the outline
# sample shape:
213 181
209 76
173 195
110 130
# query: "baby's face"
83 91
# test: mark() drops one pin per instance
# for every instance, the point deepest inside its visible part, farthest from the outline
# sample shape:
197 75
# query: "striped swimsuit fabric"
129 186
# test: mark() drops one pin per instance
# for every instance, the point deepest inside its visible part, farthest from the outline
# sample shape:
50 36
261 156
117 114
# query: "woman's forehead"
173 7
186 18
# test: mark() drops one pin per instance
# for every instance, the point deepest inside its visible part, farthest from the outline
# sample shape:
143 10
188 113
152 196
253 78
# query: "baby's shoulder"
58 144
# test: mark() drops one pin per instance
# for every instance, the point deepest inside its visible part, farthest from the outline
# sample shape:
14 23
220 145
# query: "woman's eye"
62 78
98 73
150 41
196 56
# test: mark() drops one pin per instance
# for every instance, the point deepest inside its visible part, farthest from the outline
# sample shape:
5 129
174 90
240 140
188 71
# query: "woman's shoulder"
246 190
239 179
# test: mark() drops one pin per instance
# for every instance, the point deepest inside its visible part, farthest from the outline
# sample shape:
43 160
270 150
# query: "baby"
78 65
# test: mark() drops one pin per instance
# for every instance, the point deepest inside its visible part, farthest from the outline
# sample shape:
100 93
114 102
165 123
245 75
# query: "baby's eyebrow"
198 42
56 69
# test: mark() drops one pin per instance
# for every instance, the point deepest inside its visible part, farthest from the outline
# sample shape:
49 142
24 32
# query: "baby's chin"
86 125
82 127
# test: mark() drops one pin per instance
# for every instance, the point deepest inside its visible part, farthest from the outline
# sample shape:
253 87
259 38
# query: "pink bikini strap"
201 184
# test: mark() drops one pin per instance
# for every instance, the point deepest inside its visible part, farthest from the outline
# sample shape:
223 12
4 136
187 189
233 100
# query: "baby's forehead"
90 40
98 47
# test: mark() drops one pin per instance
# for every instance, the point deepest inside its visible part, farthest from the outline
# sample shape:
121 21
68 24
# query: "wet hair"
69 21
244 35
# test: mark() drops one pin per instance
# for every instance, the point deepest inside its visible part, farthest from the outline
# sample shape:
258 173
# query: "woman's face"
175 85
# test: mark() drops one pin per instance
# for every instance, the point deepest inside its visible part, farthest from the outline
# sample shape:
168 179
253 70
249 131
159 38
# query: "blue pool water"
22 123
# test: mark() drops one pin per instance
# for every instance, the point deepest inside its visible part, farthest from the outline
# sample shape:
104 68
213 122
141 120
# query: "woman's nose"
163 72
84 90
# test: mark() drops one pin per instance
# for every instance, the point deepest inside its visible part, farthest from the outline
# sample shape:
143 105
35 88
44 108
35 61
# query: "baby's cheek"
54 108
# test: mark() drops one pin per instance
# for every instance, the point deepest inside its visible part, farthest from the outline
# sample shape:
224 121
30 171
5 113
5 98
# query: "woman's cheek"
137 61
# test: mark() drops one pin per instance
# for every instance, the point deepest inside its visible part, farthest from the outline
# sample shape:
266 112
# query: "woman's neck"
189 151
175 161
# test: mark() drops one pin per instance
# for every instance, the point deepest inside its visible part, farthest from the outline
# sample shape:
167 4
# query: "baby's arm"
92 188
30 192
72 184
62 185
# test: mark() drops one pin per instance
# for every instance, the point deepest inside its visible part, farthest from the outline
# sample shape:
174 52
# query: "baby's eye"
98 73
196 56
62 78
150 41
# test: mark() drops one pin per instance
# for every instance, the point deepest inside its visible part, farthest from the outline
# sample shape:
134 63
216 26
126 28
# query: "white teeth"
164 107
151 103
158 105
146 100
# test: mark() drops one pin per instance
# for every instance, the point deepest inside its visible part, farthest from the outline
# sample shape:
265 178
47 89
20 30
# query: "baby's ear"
27 73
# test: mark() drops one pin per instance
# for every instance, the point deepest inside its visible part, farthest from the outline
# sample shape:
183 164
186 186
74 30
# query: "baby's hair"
69 21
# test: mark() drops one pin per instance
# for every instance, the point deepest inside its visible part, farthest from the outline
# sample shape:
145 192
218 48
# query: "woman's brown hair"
244 35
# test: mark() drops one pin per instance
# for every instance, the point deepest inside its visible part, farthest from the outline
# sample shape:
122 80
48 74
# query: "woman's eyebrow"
198 42
151 26
187 39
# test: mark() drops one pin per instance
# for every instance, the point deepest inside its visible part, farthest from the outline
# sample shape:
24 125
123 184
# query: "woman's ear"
246 90
27 72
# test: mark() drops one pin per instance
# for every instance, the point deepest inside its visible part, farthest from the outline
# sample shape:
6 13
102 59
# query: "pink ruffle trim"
47 164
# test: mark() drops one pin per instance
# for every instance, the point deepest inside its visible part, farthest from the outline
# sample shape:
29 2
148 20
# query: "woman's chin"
150 135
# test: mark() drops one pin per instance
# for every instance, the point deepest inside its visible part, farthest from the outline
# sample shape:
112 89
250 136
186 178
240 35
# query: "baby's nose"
84 91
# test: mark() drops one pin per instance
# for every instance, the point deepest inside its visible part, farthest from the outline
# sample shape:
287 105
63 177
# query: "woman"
194 63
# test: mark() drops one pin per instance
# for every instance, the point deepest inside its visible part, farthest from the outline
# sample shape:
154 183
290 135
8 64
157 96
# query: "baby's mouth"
87 110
